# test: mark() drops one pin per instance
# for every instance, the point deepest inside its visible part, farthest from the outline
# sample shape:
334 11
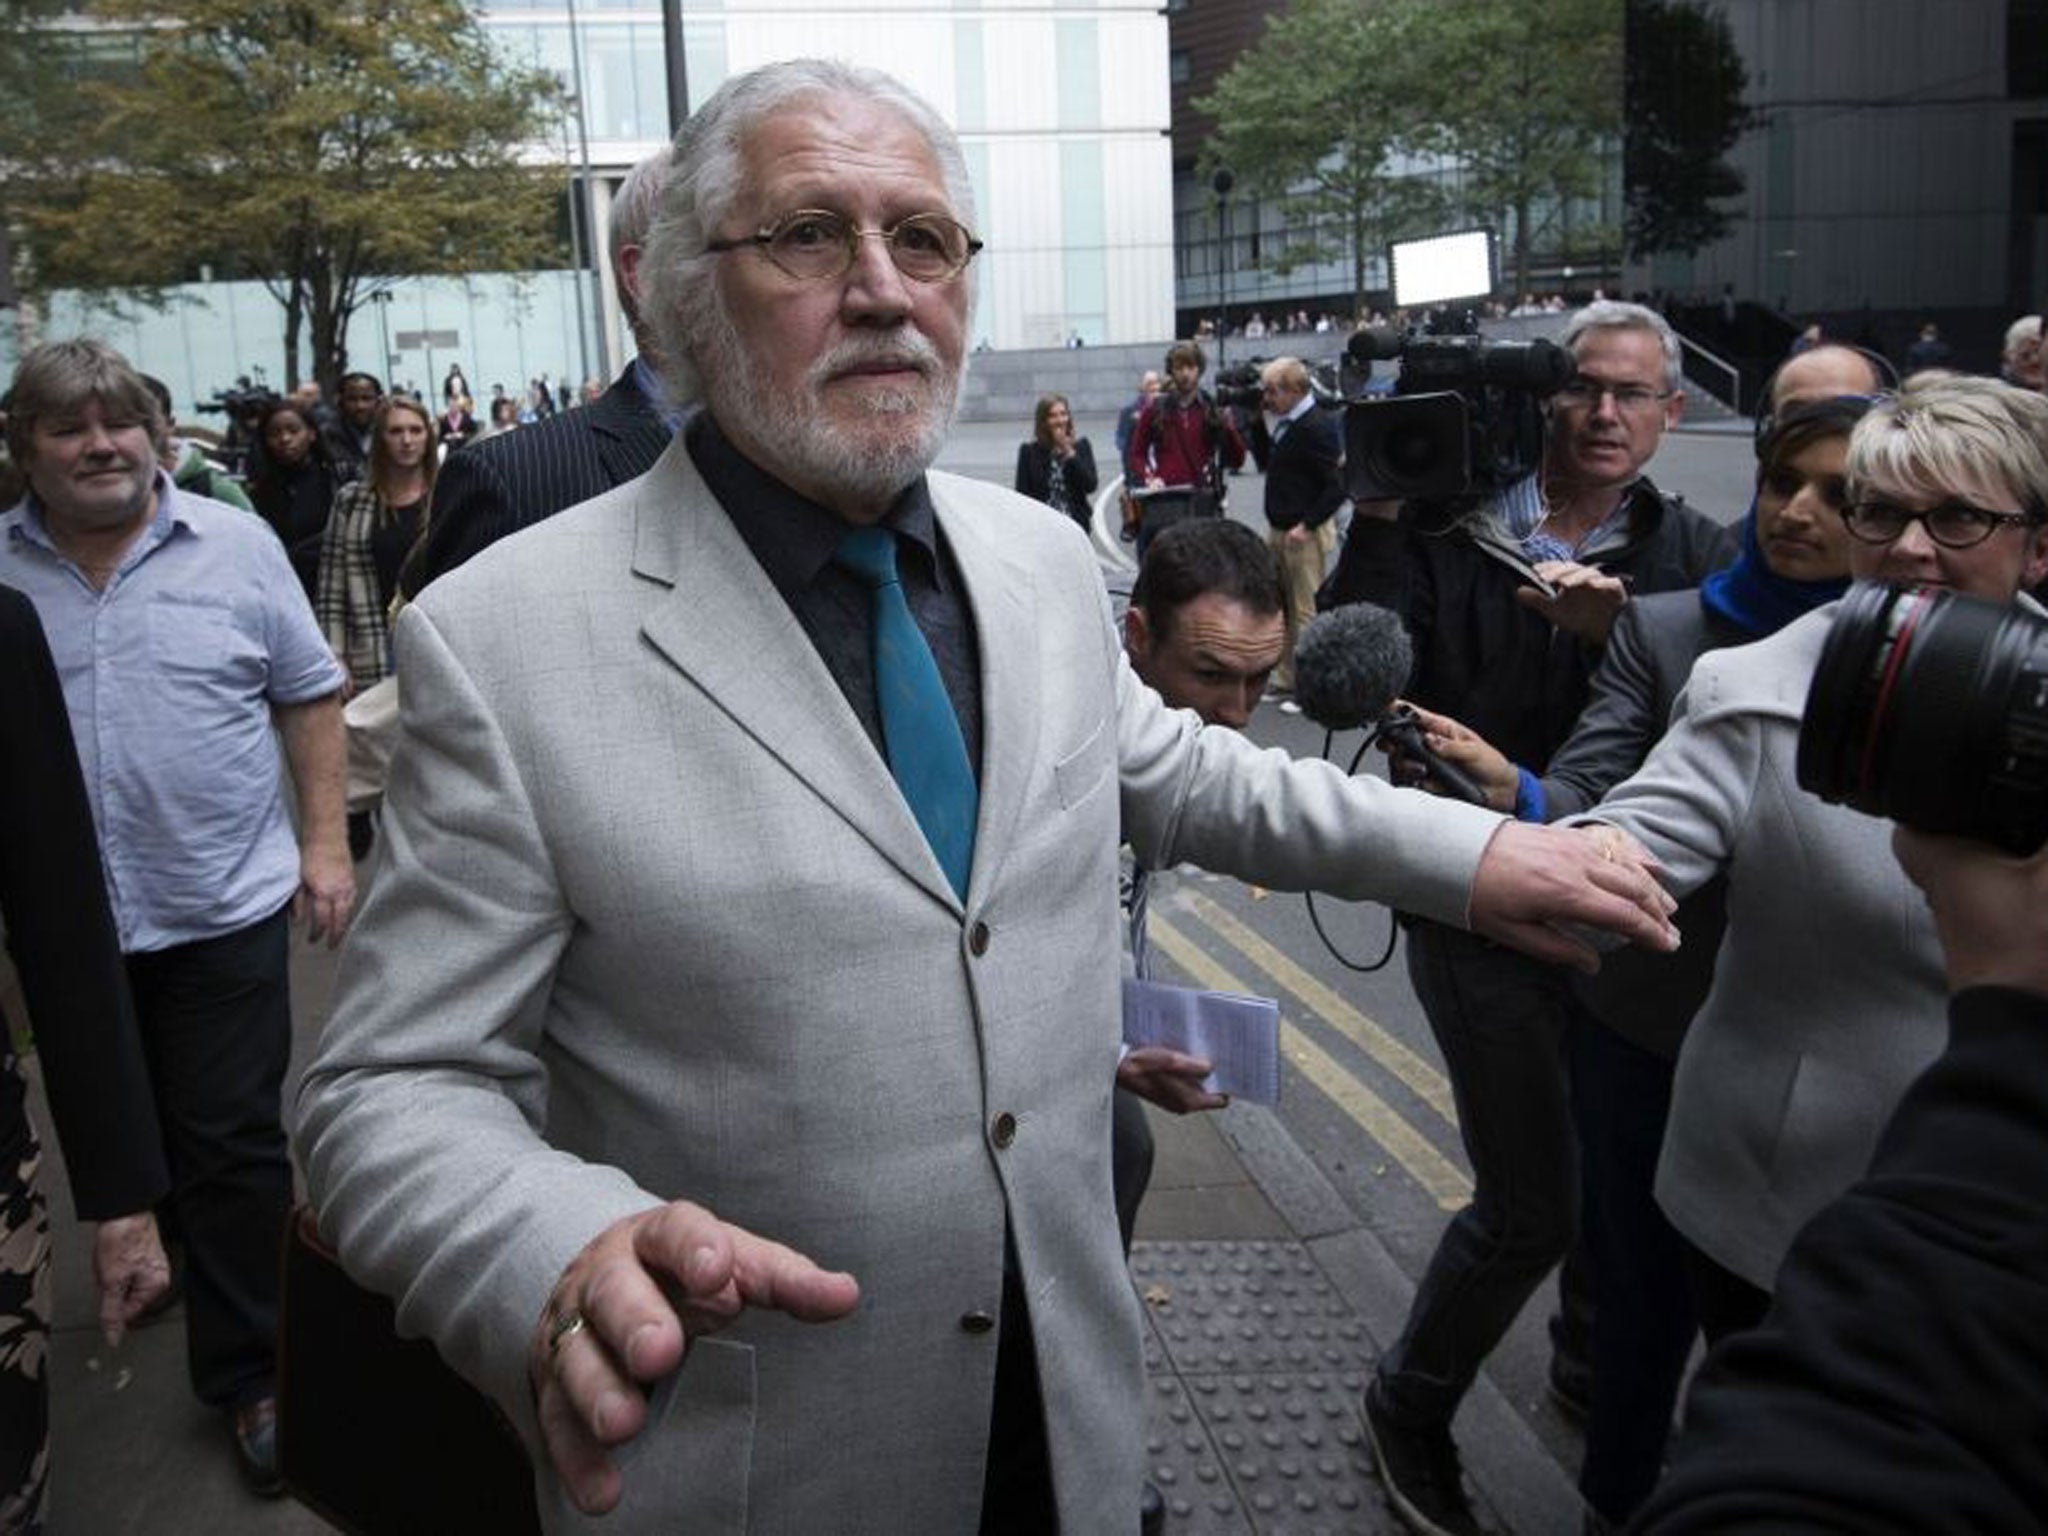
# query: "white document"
1239 1035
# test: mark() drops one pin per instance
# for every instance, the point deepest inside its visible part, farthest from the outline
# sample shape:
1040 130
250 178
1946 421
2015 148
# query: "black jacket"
1480 656
61 933
1035 472
1900 1383
1304 470
515 479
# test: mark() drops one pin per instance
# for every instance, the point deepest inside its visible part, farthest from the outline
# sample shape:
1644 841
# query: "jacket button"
977 940
1004 1131
976 1322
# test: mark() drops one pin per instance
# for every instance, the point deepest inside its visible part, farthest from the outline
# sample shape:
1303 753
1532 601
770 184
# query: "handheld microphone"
1350 664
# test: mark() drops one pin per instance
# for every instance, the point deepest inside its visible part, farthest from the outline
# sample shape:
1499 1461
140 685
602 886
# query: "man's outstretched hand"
1536 884
624 1312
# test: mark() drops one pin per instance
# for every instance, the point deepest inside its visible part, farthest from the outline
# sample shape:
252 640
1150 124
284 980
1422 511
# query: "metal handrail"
1733 399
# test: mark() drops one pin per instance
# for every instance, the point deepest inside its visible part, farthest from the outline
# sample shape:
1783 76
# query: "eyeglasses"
1584 394
1953 525
814 244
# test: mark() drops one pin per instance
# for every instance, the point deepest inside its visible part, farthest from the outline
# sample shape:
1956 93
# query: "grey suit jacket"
1827 998
500 484
656 923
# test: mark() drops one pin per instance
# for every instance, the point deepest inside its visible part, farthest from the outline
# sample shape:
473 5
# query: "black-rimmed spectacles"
1952 525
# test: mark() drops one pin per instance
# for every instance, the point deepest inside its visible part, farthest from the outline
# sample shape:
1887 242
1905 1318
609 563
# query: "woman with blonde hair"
374 522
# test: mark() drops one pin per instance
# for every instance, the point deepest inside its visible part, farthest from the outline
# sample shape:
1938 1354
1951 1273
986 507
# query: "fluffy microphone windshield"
1350 664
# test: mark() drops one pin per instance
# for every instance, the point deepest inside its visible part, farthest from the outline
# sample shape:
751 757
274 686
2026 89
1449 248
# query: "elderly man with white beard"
721 1074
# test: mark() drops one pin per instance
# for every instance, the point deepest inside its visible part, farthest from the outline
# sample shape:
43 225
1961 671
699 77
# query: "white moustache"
906 349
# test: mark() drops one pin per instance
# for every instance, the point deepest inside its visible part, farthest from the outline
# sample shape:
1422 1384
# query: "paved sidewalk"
1266 1299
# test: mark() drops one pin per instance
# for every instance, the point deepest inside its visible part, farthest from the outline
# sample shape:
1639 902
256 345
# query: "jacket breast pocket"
1087 768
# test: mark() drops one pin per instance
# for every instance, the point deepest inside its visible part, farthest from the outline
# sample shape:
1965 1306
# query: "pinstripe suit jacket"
655 922
515 479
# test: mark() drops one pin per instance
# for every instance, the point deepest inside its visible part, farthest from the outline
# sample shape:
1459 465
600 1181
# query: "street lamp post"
382 299
1221 183
583 236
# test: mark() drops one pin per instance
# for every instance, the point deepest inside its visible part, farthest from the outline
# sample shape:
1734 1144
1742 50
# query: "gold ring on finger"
565 1328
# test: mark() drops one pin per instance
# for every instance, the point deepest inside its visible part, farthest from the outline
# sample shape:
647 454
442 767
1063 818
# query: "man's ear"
628 273
1137 634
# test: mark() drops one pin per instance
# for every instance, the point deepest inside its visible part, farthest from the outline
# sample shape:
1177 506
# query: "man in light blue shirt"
187 651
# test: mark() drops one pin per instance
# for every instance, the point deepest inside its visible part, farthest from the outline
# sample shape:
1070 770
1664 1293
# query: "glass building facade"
1062 110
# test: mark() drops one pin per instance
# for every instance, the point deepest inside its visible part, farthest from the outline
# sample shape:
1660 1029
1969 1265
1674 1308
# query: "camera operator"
1898 1383
1181 438
1826 997
1302 458
1509 609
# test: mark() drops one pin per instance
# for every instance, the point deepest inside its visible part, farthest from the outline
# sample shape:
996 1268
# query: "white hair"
704 182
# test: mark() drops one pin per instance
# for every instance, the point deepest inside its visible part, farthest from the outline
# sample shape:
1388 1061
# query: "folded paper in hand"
1239 1035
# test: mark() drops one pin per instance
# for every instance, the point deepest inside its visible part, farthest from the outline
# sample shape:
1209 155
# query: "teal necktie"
926 751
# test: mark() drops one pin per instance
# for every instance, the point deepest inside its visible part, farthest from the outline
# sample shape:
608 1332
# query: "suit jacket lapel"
628 430
999 589
725 627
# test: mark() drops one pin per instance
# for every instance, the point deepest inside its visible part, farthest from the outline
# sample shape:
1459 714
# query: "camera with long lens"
1465 418
1241 385
1930 709
244 400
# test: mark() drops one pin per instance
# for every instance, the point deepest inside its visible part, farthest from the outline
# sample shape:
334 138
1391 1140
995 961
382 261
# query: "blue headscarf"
1748 593
1756 599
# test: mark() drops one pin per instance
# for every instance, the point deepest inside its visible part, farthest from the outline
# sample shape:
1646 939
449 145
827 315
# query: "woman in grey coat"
1633 1014
1827 997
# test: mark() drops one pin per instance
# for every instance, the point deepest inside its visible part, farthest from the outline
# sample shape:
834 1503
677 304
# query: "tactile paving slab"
1201 1500
1252 1306
1255 1365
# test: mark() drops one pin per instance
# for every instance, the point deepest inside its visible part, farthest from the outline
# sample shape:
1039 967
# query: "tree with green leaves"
325 146
1516 102
1527 102
1686 109
1311 117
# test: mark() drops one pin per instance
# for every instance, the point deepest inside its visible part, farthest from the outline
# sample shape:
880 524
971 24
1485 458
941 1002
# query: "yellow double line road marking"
1422 1079
1445 1182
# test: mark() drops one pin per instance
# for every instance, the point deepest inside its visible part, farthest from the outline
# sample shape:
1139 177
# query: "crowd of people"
762 870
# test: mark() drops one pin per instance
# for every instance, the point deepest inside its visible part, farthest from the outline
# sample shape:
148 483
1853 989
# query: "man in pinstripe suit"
515 479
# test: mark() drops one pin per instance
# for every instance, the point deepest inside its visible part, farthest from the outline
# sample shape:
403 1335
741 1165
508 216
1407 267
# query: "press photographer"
1508 589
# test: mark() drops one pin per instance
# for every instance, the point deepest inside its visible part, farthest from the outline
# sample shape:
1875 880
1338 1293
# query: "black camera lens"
1930 709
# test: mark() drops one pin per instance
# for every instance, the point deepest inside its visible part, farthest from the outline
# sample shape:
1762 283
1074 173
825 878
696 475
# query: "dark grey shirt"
794 539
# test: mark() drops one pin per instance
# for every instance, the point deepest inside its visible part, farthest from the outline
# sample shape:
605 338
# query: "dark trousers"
217 1030
1621 1099
1016 1490
1500 1020
1130 1159
1724 1302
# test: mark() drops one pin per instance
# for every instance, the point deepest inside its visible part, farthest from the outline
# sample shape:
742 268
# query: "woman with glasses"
1795 557
1827 995
1056 467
